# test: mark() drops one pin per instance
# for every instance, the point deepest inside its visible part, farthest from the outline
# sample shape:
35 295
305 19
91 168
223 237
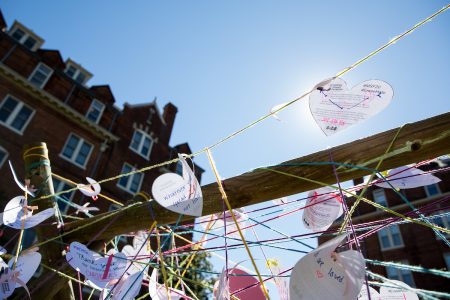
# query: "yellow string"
19 244
85 185
35 148
35 154
163 269
445 230
225 199
358 198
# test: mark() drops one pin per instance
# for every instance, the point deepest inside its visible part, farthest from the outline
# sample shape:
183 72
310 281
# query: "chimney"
170 111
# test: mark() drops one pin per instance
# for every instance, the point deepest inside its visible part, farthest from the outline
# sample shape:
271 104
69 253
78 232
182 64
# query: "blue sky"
226 63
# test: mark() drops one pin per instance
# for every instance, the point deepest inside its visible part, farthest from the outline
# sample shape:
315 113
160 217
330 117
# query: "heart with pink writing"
334 107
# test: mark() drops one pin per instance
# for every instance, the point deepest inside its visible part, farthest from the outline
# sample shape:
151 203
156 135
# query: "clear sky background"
226 63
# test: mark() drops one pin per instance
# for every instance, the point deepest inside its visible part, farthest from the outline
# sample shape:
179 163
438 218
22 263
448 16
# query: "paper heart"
335 108
221 289
26 265
322 208
28 190
181 194
217 222
399 290
96 268
343 274
244 280
91 190
407 178
158 291
14 214
363 295
126 289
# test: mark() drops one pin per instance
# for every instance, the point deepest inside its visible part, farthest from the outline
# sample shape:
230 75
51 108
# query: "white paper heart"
3 250
399 290
181 194
93 265
335 108
232 231
221 289
363 295
91 190
158 291
407 178
26 265
322 208
13 214
127 288
325 275
139 252
19 184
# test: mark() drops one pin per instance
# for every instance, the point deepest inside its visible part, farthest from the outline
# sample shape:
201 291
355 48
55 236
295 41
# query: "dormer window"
77 72
95 111
25 36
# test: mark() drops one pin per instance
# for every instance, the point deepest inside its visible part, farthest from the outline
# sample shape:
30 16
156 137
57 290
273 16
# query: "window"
77 72
40 75
95 111
379 197
59 186
432 189
132 183
3 156
405 276
76 150
14 114
447 260
141 143
390 237
25 36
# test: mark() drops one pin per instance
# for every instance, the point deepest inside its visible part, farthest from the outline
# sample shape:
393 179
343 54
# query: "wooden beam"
415 142
38 171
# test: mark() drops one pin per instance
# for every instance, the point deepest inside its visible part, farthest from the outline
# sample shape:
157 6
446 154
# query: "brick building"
408 243
44 98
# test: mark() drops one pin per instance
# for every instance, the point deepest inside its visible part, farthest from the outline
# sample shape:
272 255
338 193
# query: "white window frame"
59 188
13 115
100 113
391 240
437 187
376 192
400 273
141 144
76 151
6 156
130 179
46 79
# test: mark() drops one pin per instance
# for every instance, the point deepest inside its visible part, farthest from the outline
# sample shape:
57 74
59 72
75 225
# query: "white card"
127 288
19 184
221 287
323 274
280 201
93 265
218 224
13 214
363 295
91 190
320 216
334 107
394 293
181 194
158 291
26 265
407 178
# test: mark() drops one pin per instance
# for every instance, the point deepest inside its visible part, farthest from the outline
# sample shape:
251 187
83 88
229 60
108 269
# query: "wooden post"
38 171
